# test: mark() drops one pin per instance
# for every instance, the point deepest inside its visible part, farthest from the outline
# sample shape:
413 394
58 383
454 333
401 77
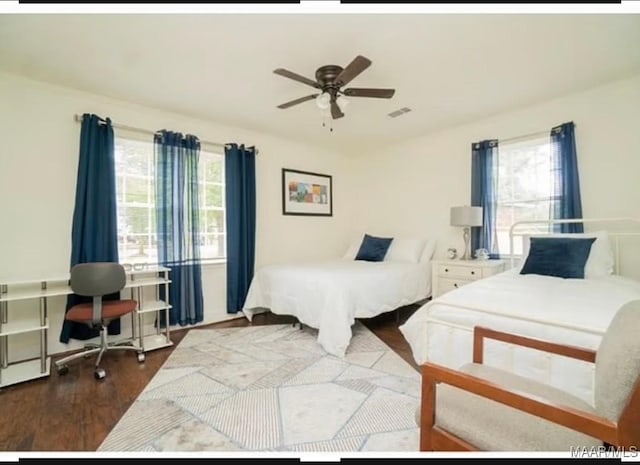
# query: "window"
135 197
525 180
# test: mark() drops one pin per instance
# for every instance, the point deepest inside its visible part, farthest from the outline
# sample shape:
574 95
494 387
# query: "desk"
41 290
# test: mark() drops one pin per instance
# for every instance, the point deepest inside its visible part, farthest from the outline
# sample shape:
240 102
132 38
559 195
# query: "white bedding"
330 295
569 311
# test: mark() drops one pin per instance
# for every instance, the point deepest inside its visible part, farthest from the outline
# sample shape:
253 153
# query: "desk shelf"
156 341
25 325
153 306
137 283
40 290
24 371
141 282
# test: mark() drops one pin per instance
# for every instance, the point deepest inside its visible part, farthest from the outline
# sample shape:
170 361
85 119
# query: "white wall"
404 190
38 164
408 189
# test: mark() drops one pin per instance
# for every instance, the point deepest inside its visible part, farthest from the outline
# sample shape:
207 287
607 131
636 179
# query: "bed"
330 295
570 311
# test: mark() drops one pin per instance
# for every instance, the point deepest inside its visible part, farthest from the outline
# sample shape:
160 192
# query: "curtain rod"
528 136
78 118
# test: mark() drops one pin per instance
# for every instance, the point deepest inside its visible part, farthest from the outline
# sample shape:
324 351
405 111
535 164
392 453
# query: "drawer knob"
446 270
473 272
455 284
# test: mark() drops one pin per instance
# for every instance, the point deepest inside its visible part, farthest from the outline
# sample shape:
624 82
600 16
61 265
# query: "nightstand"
448 275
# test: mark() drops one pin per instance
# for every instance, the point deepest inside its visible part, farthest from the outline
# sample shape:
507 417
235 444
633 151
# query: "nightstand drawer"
456 271
447 284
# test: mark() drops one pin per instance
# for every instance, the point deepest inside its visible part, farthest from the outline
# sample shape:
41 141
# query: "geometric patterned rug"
273 388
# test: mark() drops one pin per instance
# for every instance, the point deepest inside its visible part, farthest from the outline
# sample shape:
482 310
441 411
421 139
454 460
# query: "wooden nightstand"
448 275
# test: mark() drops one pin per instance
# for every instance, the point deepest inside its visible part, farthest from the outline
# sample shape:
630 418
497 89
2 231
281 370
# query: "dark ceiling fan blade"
358 65
376 93
297 101
296 77
335 111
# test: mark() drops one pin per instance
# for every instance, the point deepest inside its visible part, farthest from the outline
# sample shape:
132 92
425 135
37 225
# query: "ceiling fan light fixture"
342 102
323 101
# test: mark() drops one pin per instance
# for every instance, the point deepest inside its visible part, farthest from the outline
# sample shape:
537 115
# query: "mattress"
329 295
568 311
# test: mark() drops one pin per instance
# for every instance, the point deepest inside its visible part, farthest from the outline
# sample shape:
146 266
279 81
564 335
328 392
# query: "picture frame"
306 194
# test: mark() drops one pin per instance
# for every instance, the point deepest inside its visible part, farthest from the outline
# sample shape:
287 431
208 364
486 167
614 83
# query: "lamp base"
467 253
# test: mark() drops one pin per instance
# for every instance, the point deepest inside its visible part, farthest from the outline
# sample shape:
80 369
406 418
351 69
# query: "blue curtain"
566 182
94 235
178 224
484 193
240 185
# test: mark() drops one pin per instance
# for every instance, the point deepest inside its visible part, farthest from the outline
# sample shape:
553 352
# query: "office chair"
479 407
97 280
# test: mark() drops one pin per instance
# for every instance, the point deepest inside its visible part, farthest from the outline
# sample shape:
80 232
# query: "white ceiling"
448 68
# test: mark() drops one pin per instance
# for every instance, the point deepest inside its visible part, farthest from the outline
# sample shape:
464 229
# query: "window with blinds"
135 194
524 186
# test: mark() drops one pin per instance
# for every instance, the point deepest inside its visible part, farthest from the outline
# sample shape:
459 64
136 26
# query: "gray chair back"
618 362
97 279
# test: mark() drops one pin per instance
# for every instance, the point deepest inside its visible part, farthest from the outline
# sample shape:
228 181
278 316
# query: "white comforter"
570 311
330 295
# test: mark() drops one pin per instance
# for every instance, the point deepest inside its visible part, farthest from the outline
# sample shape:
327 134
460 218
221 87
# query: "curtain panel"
94 235
566 203
240 190
178 224
484 193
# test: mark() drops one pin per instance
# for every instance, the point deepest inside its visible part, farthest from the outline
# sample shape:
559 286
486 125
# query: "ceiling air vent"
401 111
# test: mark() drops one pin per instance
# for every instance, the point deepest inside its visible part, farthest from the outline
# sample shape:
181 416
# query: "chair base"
100 349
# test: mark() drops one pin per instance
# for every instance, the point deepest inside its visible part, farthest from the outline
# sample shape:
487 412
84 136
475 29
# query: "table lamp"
467 217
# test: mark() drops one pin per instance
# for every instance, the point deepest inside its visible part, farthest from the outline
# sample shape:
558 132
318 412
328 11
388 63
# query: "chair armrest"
578 420
480 333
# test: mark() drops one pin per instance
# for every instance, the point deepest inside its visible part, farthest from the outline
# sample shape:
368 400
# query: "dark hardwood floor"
75 412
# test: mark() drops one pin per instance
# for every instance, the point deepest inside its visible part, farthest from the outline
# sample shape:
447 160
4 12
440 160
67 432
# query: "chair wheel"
141 357
99 373
62 370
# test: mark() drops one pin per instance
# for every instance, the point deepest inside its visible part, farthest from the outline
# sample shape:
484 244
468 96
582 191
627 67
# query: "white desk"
44 288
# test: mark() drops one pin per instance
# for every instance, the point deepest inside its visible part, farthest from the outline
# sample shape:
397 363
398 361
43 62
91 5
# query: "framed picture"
305 193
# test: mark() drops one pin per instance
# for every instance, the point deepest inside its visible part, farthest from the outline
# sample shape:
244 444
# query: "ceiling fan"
330 79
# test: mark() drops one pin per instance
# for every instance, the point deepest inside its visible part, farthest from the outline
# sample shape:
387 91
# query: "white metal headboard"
633 223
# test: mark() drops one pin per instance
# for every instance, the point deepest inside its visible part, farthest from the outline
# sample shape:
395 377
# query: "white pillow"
405 250
352 251
429 250
600 262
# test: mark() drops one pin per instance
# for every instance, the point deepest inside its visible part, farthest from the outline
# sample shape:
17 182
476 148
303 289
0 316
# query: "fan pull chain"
324 124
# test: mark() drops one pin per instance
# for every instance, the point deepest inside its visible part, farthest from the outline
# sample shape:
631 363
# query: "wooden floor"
75 412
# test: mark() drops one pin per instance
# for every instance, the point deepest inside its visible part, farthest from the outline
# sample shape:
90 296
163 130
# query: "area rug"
273 388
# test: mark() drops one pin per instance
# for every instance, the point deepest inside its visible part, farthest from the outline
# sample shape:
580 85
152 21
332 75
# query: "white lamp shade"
323 101
466 216
342 102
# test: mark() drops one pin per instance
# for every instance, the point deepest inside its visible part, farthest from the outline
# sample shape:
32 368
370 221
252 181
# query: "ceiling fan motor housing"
326 77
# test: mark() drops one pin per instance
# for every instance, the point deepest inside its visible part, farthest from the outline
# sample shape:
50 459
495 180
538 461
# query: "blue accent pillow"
373 249
562 257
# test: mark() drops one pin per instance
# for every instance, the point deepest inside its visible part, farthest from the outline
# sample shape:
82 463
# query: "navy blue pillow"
562 257
373 249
